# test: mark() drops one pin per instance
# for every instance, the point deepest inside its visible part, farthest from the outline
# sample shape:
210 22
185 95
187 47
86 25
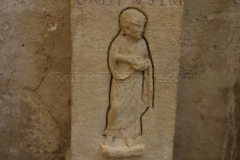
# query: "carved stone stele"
122 54
131 86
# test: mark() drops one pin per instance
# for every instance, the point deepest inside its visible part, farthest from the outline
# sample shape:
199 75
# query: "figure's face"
135 29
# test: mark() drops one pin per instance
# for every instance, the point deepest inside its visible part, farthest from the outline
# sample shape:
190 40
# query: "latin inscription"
137 2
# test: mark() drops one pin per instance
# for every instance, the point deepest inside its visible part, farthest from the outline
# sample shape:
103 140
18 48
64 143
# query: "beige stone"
34 107
131 86
68 154
207 125
116 116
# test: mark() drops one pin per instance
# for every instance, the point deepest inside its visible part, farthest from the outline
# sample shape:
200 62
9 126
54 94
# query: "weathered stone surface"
122 151
94 27
208 107
68 154
34 108
35 118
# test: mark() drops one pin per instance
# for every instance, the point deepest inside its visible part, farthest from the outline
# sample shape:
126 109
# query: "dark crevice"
39 84
141 120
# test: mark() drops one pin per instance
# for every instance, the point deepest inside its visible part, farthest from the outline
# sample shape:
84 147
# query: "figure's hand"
119 77
137 62
141 64
120 57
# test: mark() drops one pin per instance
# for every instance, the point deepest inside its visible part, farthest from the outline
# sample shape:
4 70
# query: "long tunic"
131 89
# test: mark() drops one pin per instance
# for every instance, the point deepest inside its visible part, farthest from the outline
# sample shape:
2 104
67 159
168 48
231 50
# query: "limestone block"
124 78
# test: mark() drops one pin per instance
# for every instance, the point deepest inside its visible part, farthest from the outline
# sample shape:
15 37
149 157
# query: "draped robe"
131 91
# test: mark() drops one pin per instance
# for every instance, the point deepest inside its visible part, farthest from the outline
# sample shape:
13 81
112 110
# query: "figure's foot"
130 142
118 142
114 142
108 141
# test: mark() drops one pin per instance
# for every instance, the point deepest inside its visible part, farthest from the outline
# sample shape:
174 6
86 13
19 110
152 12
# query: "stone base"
121 151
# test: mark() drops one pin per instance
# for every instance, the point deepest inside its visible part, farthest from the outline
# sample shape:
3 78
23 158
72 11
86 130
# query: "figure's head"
132 23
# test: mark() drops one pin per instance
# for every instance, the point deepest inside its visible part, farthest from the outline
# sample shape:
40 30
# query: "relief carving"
131 91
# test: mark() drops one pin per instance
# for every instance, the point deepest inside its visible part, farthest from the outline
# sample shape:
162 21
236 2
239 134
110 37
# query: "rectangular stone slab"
95 24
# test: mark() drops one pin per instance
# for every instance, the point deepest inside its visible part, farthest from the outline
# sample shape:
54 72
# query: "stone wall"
208 121
35 103
35 53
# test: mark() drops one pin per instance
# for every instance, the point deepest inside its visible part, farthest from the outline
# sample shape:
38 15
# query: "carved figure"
131 91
